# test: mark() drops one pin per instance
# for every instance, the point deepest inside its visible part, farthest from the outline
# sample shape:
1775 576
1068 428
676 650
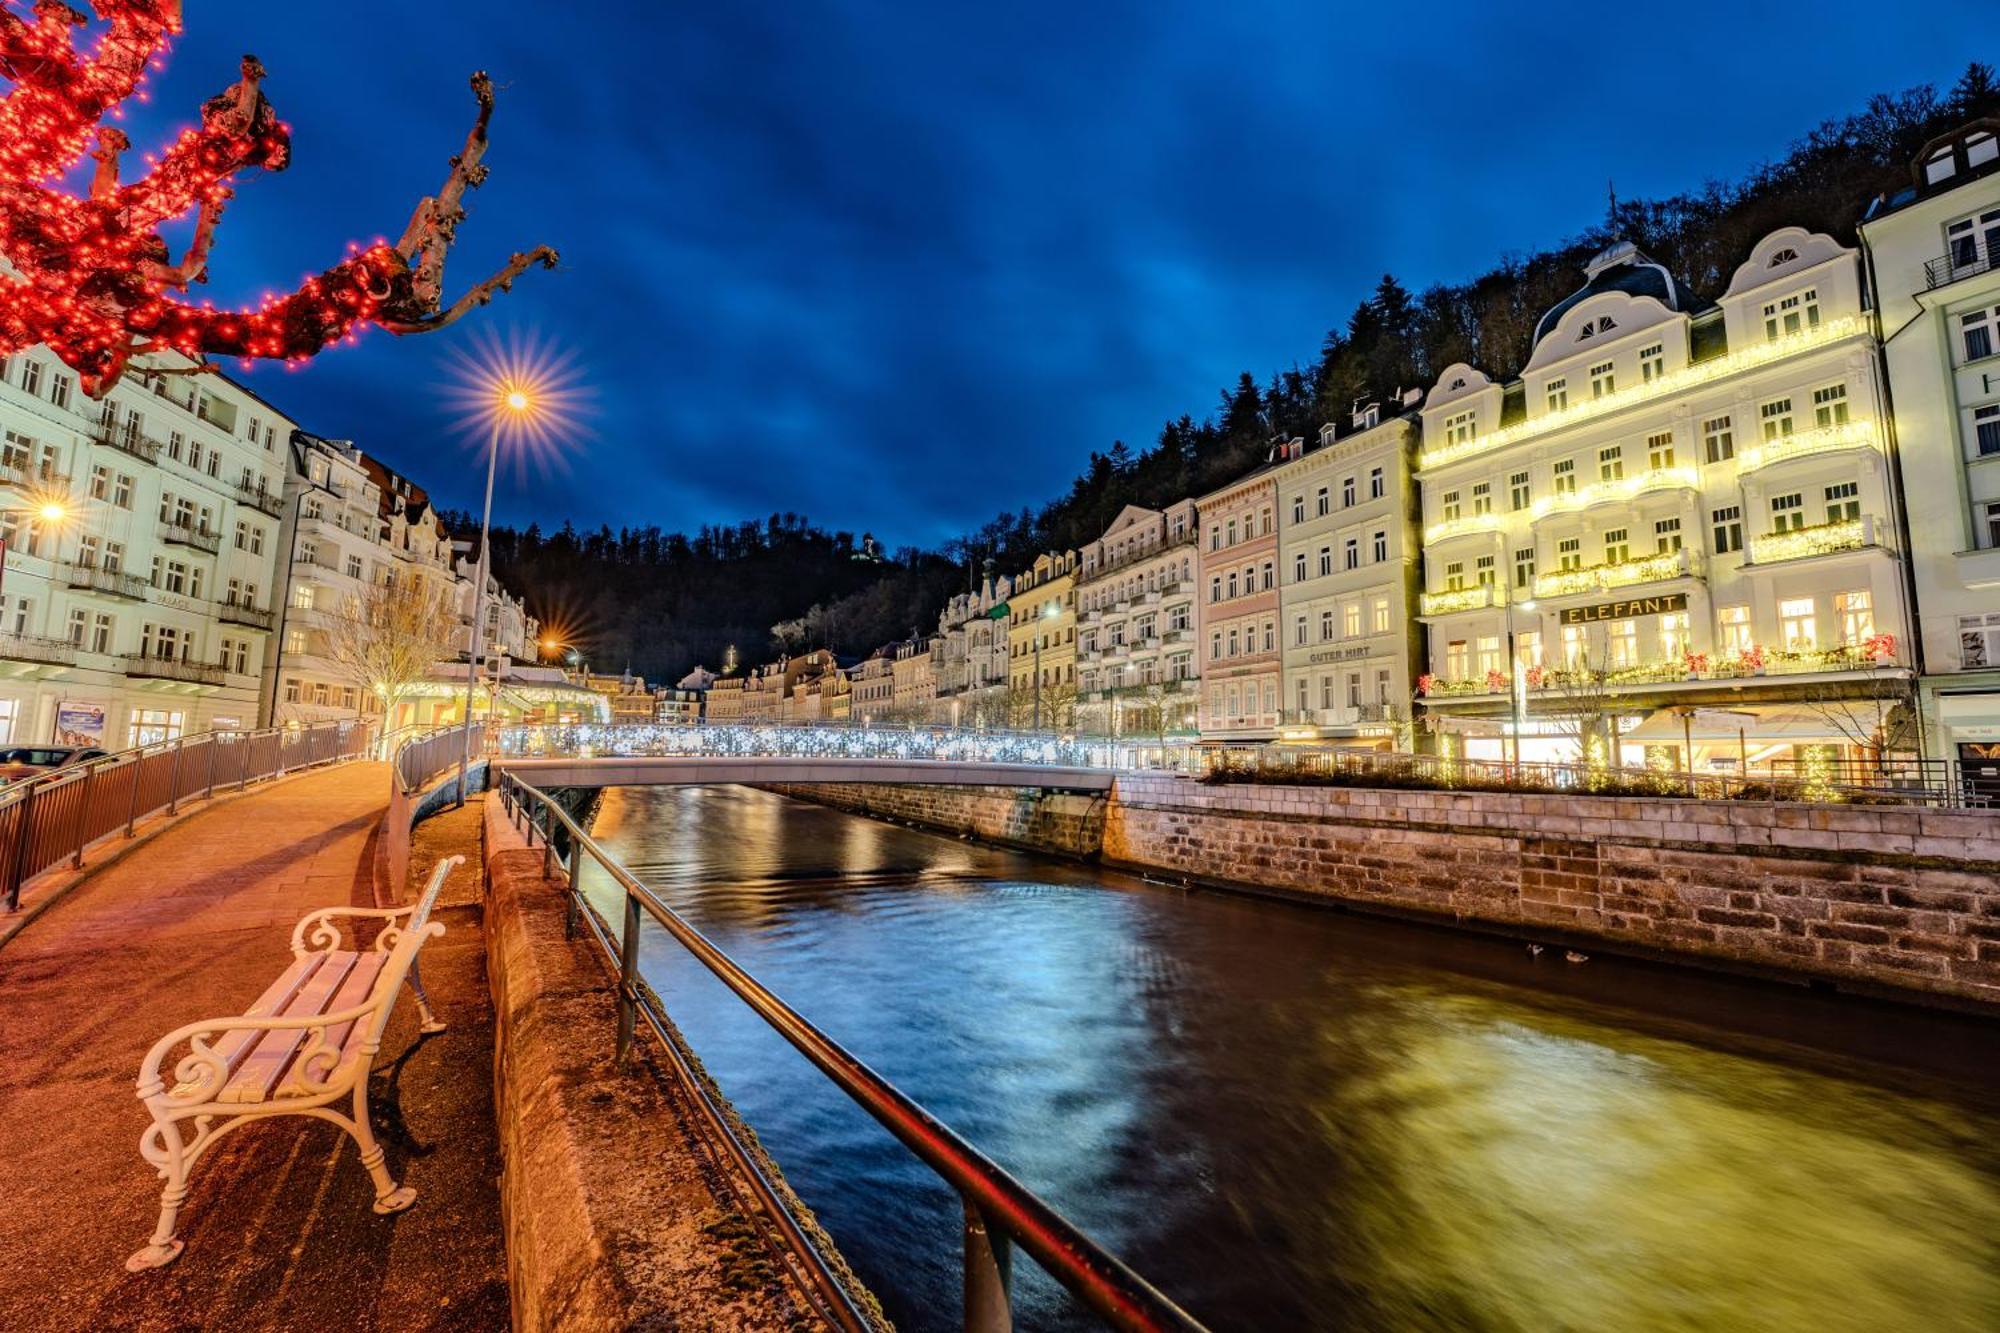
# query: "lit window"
1732 629
1795 624
1621 643
1611 463
1482 570
1660 451
1856 613
1674 635
1617 546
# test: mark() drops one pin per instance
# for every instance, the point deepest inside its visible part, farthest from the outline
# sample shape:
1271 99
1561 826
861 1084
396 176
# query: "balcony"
242 613
32 477
1452 600
144 666
1461 527
1829 440
201 539
1178 636
127 441
1947 269
262 500
112 583
1854 534
1617 492
30 648
1618 574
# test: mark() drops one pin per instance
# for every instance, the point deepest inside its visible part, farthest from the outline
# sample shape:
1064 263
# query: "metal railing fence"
53 818
999 1211
425 754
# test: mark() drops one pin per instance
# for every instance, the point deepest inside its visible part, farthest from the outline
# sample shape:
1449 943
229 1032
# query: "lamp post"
1517 680
512 403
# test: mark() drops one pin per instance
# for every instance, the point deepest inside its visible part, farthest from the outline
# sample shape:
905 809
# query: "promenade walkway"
279 1230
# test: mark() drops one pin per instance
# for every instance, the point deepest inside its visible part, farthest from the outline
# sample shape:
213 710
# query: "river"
1290 1117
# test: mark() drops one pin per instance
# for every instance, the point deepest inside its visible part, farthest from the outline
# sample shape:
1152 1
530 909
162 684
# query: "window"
1776 419
1299 567
1718 440
79 622
354 566
1215 536
1230 536
1564 473
1454 575
114 556
1791 314
102 628
1667 535
1992 512
1830 406
1621 643
1855 613
1652 362
1299 635
1379 624
1728 522
1569 553
1576 648
1674 635
1788 512
1558 394
1347 492
1660 451
1322 503
100 482
1519 492
1460 428
1449 507
1215 589
1795 624
1325 561
150 726
1482 497
1270 574
1843 502
1732 629
1215 646
1602 381
1377 484
1482 571
121 491
59 387
1524 567
1986 430
1381 546
1978 641
1976 328
1298 509
1351 553
87 550
1527 648
1456 659
302 597
1611 463
31 377
1487 654
1326 625
1617 547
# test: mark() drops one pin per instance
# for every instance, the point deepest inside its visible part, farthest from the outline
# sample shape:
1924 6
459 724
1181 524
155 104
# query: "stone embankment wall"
1871 898
1070 825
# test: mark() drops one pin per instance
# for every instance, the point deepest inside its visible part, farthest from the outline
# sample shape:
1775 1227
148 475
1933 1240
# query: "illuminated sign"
1626 610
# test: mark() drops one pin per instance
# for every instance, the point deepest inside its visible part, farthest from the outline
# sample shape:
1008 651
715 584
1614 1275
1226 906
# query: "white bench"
307 1043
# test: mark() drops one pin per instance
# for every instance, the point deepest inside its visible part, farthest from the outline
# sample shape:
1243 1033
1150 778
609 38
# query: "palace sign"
1627 610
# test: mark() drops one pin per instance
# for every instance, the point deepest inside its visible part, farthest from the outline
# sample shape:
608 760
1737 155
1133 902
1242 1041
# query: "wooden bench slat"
353 991
258 1074
235 1045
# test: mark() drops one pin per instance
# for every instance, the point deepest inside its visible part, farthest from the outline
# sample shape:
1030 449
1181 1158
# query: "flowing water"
1289 1117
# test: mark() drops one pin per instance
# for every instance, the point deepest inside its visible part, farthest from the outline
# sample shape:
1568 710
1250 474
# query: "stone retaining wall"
1025 817
616 1213
1871 898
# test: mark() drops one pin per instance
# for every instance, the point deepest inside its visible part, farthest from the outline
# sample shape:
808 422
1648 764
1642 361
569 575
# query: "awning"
1839 721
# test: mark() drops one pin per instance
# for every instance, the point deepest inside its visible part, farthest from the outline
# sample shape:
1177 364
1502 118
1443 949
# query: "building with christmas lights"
1347 580
1934 253
723 705
1681 517
142 552
1135 642
874 687
1237 590
969 663
913 682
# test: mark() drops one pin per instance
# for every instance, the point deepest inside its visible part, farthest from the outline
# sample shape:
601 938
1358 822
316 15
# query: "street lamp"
1517 678
49 507
512 408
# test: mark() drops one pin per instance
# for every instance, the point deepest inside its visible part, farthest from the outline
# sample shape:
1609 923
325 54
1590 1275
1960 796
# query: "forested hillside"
659 602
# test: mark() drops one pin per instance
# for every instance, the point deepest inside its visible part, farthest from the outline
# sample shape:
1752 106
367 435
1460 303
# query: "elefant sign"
1631 610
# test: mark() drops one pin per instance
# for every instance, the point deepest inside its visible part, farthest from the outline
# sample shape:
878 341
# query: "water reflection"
1290 1118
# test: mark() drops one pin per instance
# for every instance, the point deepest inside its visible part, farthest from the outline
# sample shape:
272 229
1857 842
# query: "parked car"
27 761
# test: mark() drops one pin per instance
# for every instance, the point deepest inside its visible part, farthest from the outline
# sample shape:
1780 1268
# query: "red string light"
93 279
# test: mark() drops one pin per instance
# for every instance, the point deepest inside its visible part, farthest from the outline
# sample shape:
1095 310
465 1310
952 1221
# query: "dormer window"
1326 435
1458 383
1791 314
1783 257
1939 166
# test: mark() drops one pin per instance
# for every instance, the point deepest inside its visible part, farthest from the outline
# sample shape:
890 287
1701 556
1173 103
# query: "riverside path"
194 924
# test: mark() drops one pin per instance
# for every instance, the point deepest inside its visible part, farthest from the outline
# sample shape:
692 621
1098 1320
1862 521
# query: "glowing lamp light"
52 512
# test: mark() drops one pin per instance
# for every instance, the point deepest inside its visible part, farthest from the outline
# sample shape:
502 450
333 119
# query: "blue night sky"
899 267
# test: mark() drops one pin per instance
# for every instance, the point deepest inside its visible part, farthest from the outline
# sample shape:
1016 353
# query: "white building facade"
145 613
1137 659
1696 504
1347 562
1934 254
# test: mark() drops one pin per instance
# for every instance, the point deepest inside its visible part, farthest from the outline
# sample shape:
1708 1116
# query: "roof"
1957 143
1621 268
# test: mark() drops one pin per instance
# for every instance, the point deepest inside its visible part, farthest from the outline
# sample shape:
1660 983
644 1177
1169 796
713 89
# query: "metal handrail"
999 1210
55 817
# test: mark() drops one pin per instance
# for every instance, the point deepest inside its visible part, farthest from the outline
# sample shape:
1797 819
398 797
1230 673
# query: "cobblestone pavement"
279 1230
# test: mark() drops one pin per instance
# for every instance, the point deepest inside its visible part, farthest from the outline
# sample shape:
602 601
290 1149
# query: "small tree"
389 636
1579 702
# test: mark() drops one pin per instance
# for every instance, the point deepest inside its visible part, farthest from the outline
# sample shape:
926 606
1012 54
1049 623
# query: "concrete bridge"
694 770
